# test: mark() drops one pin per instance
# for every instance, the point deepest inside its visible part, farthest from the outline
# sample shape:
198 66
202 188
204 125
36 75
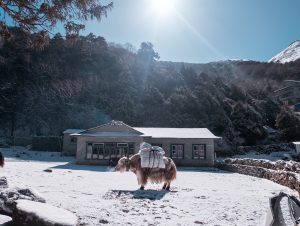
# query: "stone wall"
47 143
278 165
284 173
37 143
267 149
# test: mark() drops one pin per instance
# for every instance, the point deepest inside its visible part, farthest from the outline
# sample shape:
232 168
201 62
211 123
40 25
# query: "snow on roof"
107 134
73 131
157 132
111 123
298 142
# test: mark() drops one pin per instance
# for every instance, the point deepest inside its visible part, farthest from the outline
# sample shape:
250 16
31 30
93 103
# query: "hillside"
84 83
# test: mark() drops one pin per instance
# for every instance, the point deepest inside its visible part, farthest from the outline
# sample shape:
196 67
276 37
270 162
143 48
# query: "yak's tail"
172 170
1 159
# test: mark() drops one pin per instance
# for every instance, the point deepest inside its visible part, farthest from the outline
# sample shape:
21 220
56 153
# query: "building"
297 145
107 143
290 94
70 142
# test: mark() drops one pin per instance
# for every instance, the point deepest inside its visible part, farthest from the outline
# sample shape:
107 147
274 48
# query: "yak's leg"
165 185
168 186
143 183
142 180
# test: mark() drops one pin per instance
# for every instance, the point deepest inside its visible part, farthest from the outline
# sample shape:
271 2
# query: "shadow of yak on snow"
137 194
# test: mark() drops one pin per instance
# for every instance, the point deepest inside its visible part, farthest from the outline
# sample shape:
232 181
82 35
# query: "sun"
163 7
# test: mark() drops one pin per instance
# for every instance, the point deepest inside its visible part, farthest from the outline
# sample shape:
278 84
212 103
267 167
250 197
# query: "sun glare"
163 7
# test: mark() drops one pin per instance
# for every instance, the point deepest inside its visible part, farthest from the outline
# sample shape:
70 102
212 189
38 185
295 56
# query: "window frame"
171 151
200 158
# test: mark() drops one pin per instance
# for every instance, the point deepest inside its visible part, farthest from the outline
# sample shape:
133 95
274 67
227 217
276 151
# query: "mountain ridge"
290 54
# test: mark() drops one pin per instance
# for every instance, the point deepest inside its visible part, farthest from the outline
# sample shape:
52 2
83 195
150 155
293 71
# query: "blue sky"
204 30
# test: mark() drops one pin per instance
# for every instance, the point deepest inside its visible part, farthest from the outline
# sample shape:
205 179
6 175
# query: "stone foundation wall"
276 172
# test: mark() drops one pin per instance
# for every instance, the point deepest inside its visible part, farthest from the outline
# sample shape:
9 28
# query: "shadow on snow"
74 166
140 194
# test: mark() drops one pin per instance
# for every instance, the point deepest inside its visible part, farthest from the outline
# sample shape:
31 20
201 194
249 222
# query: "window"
108 150
199 151
131 149
73 139
89 150
122 149
98 151
177 151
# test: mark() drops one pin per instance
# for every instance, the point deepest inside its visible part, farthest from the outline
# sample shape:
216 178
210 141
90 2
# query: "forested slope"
83 83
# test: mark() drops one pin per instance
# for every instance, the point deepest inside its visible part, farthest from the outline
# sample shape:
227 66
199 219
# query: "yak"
153 175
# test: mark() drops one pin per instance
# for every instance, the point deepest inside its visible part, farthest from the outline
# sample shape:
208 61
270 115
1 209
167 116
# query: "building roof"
106 134
111 123
73 131
295 81
156 132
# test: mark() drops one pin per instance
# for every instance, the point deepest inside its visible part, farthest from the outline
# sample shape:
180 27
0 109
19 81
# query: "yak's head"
123 164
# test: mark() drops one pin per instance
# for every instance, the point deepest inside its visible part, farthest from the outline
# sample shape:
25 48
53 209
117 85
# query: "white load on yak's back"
151 156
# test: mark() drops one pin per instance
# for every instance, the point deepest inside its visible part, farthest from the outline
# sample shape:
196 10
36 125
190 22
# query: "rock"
5 220
48 170
10 195
3 183
103 221
280 164
198 222
29 213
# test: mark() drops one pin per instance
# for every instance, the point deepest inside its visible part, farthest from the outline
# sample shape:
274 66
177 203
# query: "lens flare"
163 7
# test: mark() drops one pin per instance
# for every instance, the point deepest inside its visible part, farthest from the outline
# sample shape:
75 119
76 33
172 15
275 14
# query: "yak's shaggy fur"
153 175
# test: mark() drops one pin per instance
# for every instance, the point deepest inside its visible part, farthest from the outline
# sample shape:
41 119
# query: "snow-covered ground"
100 196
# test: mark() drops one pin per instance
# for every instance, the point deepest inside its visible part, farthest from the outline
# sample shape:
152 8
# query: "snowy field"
99 196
